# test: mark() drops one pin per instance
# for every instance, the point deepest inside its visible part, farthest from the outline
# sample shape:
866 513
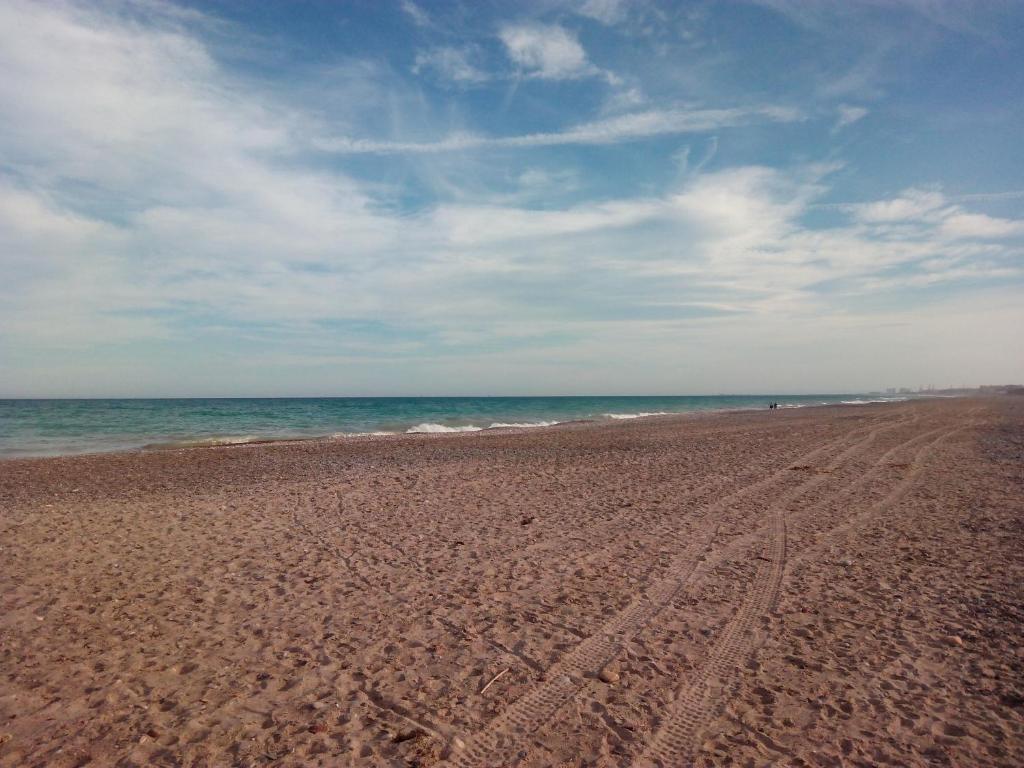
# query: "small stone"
609 676
956 640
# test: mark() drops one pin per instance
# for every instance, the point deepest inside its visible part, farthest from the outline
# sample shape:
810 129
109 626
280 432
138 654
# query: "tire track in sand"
673 744
901 489
502 739
748 540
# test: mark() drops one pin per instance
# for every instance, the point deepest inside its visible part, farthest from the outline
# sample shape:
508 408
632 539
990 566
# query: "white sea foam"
439 428
211 442
523 424
637 415
362 434
229 440
866 402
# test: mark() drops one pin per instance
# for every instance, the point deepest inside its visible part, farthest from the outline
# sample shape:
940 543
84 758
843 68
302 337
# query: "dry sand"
828 586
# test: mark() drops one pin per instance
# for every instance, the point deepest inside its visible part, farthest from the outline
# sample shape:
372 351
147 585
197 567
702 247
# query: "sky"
371 197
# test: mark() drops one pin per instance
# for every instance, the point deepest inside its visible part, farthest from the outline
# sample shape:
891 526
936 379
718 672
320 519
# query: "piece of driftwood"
494 680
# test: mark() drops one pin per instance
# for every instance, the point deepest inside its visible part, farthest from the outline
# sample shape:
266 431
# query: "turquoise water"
59 427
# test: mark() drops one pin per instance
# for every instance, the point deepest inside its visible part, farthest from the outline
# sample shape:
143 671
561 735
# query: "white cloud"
624 98
932 209
912 205
733 238
419 17
629 127
605 11
546 51
979 225
451 64
748 206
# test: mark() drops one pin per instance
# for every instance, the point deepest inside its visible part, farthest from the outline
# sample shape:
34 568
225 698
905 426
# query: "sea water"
59 427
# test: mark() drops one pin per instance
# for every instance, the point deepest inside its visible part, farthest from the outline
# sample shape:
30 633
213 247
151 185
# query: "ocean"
63 427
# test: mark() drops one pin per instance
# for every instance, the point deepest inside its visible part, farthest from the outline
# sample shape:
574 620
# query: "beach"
837 585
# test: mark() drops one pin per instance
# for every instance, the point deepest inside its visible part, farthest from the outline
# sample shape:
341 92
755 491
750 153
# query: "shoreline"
218 443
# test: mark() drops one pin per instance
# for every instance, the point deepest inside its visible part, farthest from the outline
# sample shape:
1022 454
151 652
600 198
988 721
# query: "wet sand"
827 586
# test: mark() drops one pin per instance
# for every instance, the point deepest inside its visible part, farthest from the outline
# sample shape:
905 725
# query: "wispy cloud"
419 17
960 16
848 115
451 64
630 127
605 11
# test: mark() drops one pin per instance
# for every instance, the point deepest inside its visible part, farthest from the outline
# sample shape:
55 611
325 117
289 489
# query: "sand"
829 586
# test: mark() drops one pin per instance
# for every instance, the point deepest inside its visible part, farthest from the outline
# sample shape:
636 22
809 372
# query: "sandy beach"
821 586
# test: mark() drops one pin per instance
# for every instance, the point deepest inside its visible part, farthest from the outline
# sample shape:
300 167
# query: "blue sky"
561 197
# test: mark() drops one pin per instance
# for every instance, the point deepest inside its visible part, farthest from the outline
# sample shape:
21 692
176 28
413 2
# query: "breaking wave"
637 415
523 425
431 429
866 402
